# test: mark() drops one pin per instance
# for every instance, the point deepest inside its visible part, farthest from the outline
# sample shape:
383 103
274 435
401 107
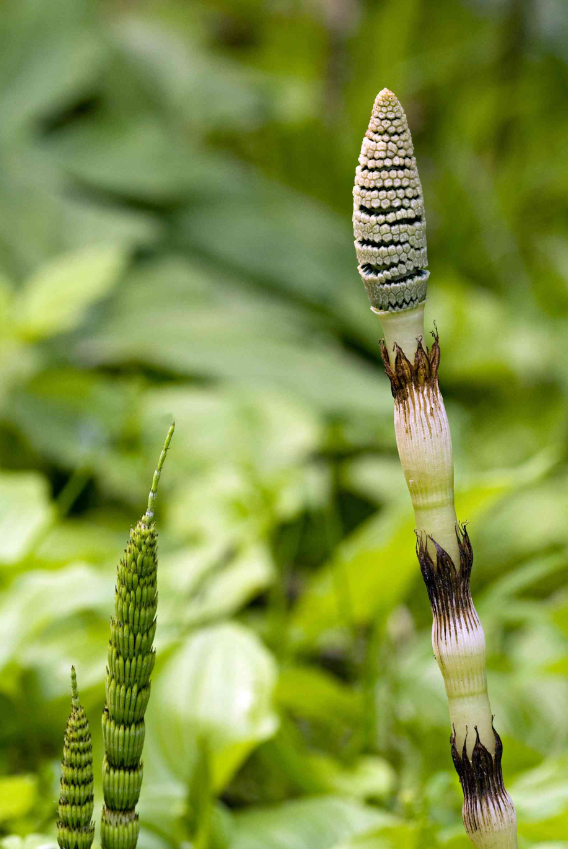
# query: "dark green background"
175 240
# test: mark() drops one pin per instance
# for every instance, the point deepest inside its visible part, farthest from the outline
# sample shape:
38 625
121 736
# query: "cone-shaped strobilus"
390 242
130 662
75 830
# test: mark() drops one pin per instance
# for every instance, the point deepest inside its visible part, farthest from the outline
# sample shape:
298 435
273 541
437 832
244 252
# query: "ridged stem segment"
75 829
131 658
425 449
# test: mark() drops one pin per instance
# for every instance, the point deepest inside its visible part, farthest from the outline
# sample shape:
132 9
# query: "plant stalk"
131 657
75 829
390 241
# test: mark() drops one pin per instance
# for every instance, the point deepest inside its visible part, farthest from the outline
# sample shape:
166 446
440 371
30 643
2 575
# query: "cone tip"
149 515
74 688
385 99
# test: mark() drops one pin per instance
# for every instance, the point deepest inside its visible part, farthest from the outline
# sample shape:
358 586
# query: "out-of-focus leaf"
138 158
390 837
93 538
217 687
316 823
272 343
56 297
203 594
17 796
370 778
194 85
32 841
309 248
50 57
260 427
37 599
71 416
311 693
541 797
25 511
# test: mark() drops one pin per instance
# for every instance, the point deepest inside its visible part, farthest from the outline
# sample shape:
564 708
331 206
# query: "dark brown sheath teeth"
481 778
422 372
448 588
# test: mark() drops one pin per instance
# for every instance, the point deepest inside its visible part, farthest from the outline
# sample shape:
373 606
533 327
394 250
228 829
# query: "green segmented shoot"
131 658
75 829
390 242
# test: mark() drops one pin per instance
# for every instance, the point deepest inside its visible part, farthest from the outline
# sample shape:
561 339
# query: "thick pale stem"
403 329
425 448
390 242
423 437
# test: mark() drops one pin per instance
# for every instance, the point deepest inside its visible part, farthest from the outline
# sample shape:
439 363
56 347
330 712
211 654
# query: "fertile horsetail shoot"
390 241
130 663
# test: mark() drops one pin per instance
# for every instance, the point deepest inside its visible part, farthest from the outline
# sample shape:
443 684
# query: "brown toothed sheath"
390 241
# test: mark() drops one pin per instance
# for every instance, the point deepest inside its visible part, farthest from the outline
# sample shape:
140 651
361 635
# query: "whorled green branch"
131 658
75 829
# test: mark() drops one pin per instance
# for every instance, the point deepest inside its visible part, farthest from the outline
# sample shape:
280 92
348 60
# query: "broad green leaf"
217 686
311 693
259 427
56 298
312 823
72 416
25 512
369 778
198 590
390 837
37 600
272 342
17 796
541 796
309 247
32 841
51 56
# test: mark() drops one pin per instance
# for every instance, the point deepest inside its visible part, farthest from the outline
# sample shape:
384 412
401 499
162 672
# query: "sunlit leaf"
217 687
57 296
317 823
38 599
25 511
32 841
17 796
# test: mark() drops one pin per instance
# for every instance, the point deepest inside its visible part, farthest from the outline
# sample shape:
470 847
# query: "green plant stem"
131 659
75 829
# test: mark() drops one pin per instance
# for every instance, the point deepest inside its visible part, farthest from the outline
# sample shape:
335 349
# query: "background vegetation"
175 239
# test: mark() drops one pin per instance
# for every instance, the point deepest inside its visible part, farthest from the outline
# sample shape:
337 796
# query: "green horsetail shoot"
75 829
130 662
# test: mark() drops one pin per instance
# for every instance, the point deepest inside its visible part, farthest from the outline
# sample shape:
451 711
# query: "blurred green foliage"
175 238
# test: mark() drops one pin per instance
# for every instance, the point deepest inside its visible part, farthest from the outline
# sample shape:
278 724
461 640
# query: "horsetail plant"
390 242
75 829
130 663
